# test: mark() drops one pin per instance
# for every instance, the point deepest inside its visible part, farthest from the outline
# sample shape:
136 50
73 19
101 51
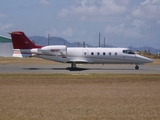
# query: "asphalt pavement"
81 68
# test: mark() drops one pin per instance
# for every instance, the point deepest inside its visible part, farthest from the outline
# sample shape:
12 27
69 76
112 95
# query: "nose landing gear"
136 67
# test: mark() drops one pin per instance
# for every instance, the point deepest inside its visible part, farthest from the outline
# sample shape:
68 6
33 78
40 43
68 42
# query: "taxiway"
81 68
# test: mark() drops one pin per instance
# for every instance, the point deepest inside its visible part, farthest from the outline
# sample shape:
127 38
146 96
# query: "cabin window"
115 53
110 53
104 53
92 53
128 52
98 53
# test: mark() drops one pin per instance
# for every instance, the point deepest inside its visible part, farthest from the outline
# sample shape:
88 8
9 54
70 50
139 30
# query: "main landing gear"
136 67
73 65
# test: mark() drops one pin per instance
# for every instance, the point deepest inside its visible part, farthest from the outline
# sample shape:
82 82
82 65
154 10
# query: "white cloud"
122 2
138 23
53 32
149 9
122 30
92 10
67 32
44 2
63 13
150 1
2 15
5 27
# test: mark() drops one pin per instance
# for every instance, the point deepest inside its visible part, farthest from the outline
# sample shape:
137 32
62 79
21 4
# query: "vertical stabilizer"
21 41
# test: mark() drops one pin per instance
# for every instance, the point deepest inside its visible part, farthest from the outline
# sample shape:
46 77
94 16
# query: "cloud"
91 10
138 23
2 15
67 32
53 32
5 27
149 9
44 2
124 31
122 2
63 13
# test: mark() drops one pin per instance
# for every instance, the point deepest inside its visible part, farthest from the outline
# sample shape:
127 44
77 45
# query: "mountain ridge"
40 40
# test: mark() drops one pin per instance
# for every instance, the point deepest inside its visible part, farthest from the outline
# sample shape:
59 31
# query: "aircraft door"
85 53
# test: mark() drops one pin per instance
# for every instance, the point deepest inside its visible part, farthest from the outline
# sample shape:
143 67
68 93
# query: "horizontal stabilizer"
22 53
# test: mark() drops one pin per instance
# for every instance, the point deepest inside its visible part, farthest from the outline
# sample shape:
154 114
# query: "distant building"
6 47
137 52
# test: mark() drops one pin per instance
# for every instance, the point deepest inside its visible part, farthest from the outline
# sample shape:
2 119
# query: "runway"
81 68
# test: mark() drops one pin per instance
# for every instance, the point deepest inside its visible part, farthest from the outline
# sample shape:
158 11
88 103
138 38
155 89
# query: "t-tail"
22 45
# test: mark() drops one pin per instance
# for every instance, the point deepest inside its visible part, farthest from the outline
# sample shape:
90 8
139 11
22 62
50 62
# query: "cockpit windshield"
128 52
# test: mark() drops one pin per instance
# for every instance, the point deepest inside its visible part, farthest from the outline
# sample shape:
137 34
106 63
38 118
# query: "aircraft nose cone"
144 59
148 60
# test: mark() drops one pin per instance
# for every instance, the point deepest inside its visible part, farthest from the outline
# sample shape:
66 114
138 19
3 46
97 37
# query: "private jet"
23 47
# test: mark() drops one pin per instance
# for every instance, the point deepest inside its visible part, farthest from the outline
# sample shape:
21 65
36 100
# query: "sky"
121 22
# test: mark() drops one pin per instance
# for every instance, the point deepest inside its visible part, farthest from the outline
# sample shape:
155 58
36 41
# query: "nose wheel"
136 67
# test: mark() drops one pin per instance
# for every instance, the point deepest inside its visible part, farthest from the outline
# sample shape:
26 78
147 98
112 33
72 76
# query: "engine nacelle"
54 50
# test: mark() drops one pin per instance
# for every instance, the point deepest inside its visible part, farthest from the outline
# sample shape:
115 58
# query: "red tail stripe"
21 41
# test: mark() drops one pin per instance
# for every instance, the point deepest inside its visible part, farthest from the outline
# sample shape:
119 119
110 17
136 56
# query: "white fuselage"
23 47
85 55
105 55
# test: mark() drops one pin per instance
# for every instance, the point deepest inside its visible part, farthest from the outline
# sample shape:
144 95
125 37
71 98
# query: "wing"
72 59
77 61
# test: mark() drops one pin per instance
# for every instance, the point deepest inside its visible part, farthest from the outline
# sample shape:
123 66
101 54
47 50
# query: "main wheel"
137 67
